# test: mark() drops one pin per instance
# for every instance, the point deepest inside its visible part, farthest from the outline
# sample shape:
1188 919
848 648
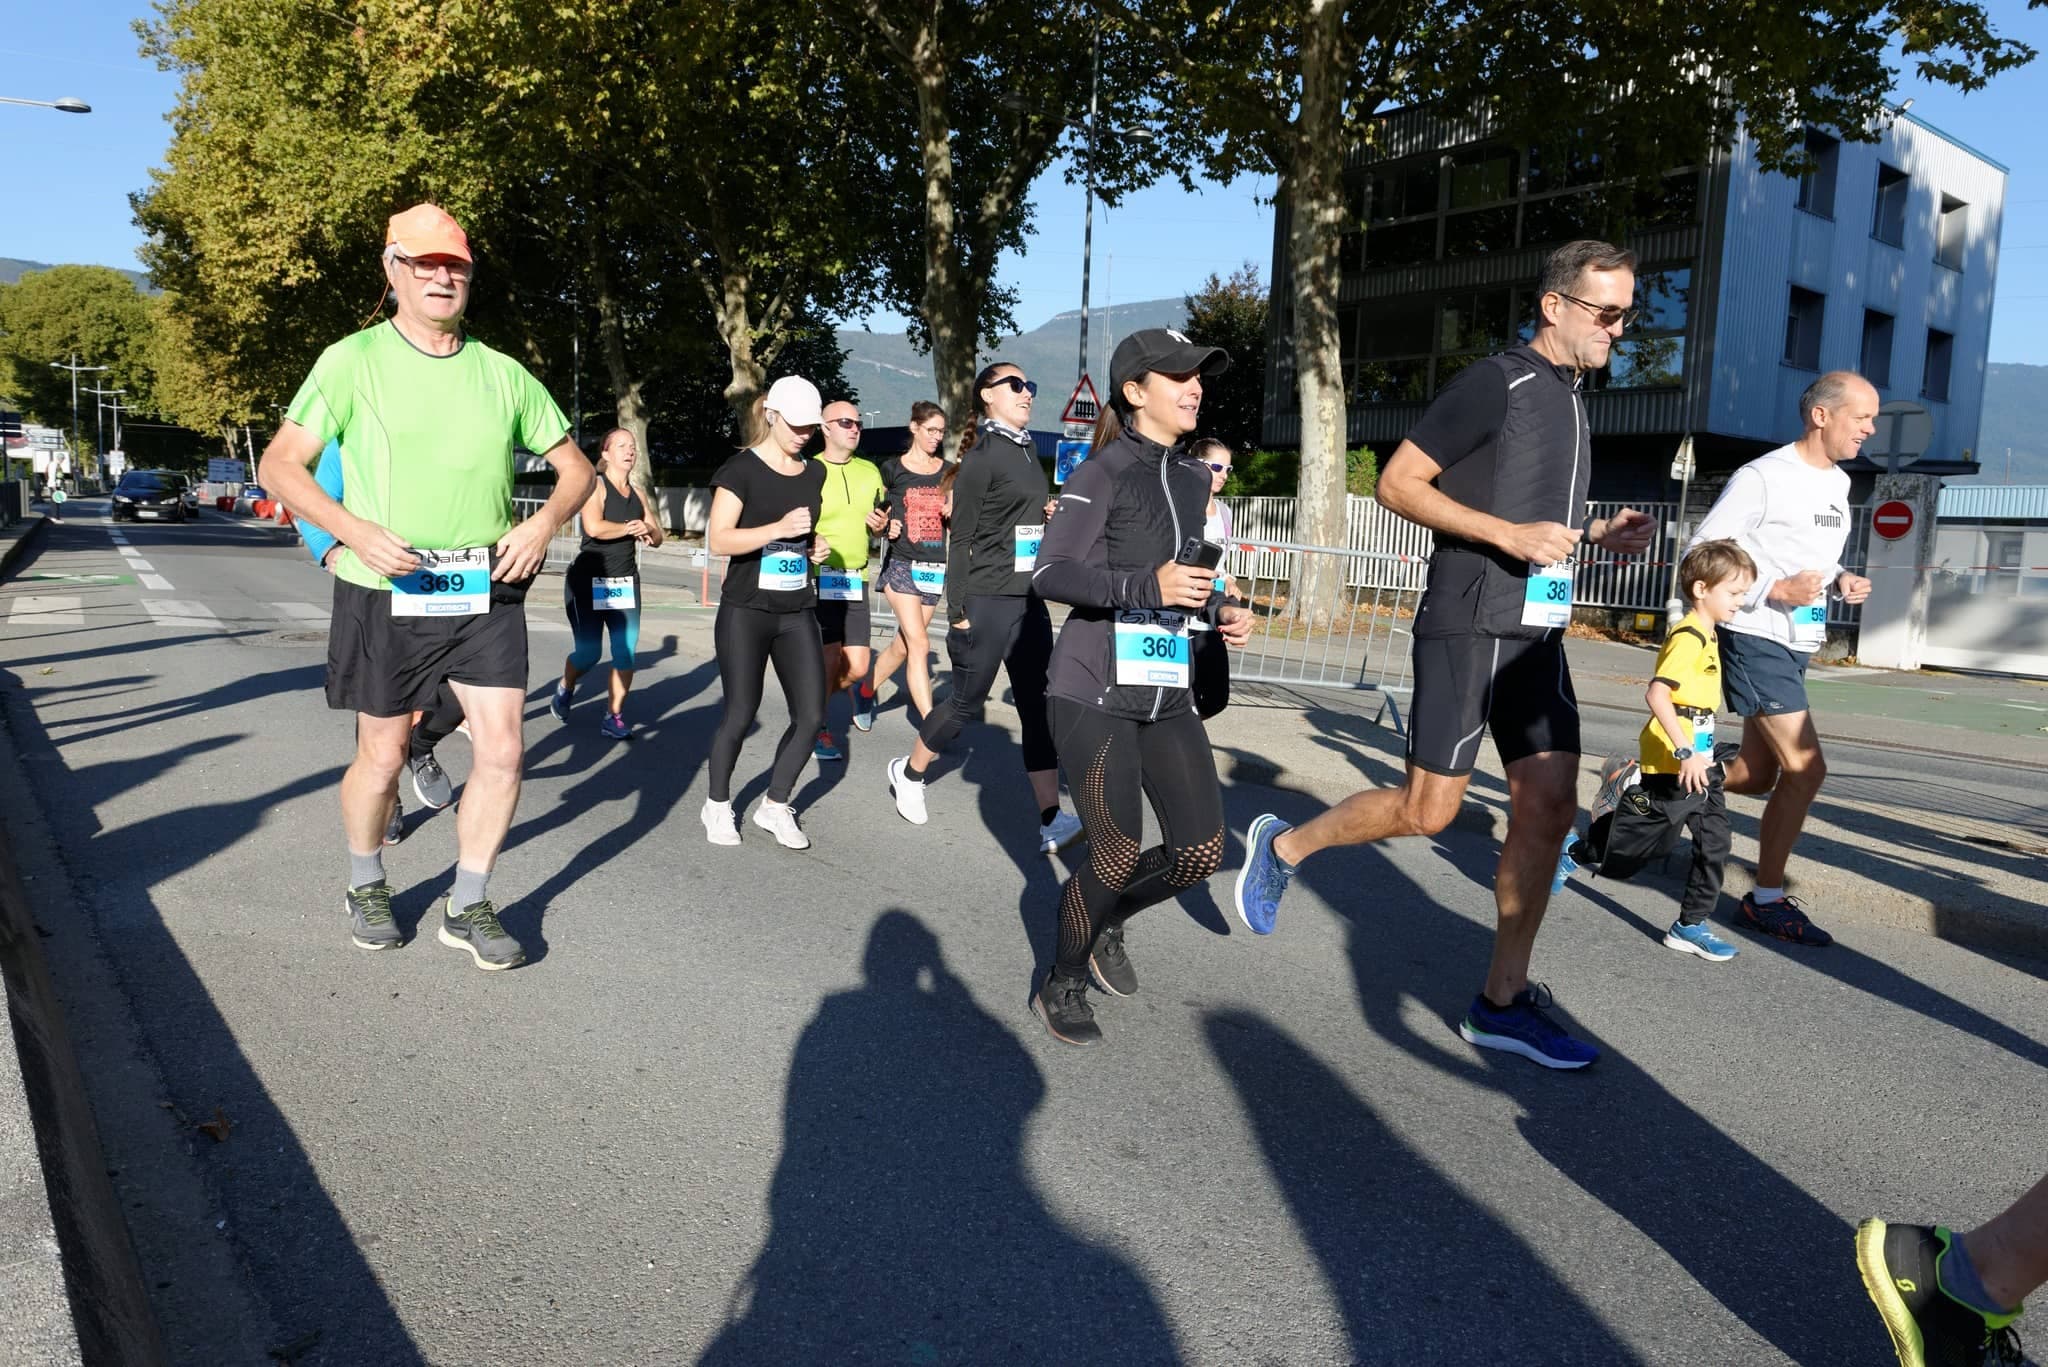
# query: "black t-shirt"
766 497
919 504
612 557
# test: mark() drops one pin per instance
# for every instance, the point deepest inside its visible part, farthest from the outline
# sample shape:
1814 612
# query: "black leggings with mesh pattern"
1114 765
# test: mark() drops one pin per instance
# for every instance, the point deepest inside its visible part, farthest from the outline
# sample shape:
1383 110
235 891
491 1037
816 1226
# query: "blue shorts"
1761 677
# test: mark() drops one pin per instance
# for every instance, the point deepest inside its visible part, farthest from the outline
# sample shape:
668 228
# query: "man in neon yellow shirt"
852 512
431 580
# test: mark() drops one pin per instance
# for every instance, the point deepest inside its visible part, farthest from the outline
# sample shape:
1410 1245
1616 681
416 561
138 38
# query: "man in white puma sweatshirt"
1788 508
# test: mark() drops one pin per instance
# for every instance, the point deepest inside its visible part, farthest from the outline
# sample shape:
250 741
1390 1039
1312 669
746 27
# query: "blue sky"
69 177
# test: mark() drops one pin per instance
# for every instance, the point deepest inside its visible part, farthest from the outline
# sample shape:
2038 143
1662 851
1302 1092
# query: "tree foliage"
1233 313
90 312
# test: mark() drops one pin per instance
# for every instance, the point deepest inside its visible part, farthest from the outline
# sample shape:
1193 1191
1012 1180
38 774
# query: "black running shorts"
1521 690
385 666
842 623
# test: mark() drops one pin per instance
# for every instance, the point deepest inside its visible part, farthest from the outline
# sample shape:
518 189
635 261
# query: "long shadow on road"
1762 1246
322 1292
903 1226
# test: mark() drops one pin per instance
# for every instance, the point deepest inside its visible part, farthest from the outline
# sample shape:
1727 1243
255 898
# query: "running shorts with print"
1521 690
896 578
843 623
386 666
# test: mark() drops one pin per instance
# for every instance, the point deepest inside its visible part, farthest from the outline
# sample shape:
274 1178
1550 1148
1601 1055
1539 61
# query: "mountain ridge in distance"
12 268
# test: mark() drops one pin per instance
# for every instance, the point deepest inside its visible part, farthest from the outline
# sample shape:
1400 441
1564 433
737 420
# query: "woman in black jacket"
999 511
1123 715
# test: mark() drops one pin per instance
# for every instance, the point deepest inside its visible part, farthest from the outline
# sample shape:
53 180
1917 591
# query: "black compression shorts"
385 666
1521 690
843 623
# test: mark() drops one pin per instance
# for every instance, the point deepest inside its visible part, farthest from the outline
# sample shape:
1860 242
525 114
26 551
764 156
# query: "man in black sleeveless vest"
1498 469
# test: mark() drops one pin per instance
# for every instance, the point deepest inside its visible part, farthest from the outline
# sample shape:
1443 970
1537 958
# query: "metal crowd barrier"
1328 618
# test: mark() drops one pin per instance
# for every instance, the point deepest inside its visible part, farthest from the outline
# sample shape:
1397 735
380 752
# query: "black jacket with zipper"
1001 487
1125 512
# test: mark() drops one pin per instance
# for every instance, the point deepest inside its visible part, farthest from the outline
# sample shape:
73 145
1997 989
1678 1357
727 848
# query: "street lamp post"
107 398
76 370
1088 198
67 105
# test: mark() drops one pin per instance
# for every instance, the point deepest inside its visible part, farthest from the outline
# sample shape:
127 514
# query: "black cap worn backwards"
1166 351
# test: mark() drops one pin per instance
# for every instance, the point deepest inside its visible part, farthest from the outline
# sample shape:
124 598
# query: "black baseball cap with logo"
1166 351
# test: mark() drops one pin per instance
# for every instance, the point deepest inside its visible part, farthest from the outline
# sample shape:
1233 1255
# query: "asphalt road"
751 1106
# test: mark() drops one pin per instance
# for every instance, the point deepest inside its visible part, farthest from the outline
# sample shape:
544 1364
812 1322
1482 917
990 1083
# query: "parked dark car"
153 494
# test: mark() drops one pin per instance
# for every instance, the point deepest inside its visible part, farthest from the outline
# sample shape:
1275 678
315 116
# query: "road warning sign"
1084 405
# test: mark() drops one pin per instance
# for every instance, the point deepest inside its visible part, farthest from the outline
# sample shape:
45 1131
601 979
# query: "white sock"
1767 895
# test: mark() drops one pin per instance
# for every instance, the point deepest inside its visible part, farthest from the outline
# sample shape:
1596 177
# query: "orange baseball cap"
427 230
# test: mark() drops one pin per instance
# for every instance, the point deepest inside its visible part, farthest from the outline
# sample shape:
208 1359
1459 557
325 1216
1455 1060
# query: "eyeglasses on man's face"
426 268
1016 384
1605 315
845 424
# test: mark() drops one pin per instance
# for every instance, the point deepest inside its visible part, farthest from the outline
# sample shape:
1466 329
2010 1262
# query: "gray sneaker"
430 782
477 930
369 917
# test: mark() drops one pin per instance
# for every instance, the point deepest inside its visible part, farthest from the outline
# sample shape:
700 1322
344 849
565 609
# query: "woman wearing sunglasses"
764 513
915 573
1122 679
1000 506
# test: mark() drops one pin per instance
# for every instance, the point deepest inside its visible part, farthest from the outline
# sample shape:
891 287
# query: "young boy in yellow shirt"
1680 788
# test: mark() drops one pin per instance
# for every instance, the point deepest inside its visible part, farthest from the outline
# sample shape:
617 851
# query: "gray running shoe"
430 782
394 829
477 930
369 917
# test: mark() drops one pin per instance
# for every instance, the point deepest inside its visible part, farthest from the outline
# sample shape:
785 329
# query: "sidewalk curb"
19 545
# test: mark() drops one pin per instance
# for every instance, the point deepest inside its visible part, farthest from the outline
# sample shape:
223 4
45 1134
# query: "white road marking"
136 562
181 613
45 610
156 583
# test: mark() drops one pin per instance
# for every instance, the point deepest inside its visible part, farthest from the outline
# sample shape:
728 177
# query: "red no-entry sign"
1892 520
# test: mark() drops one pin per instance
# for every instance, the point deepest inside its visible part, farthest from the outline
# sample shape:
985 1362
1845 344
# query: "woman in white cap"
763 515
1125 552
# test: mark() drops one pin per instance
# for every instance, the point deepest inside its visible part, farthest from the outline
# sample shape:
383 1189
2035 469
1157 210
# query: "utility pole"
100 404
76 370
1088 195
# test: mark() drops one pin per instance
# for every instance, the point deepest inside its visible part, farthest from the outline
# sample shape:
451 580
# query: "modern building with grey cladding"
1881 259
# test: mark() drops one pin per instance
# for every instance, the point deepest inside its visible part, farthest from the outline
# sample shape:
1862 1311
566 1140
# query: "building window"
1817 185
1941 352
1404 189
1400 244
1482 175
1877 348
1802 328
1948 242
1888 215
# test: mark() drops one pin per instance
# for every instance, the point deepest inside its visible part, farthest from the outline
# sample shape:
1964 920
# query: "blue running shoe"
1262 882
1524 1027
1566 865
1699 940
560 705
826 748
864 703
614 726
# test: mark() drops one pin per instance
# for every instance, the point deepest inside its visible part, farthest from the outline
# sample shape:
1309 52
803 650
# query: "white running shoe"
1060 832
779 820
908 792
719 825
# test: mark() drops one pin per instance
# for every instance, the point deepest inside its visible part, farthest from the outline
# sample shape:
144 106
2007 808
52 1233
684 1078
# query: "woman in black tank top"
603 585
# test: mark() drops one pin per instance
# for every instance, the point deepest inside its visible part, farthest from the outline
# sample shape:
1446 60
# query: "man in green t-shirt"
431 581
851 513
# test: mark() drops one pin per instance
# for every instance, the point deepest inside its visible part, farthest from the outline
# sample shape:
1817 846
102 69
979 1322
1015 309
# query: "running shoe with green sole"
369 917
1901 1267
477 930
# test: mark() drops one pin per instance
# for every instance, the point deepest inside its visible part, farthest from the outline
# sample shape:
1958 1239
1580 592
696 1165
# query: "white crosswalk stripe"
156 583
136 562
46 610
182 614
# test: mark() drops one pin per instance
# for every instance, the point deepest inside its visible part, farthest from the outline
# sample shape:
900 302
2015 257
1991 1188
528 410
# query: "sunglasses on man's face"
1605 315
1016 384
845 424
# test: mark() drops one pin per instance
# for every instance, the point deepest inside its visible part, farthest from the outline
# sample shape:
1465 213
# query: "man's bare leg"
1423 805
498 757
1542 804
370 785
1795 748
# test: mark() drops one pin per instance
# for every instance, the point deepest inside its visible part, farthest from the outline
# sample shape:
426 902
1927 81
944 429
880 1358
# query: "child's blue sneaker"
1524 1027
1566 865
1699 940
